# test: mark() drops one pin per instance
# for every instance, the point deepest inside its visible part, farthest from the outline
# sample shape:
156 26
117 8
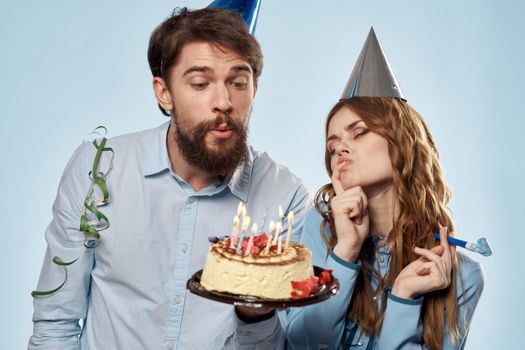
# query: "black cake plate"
323 292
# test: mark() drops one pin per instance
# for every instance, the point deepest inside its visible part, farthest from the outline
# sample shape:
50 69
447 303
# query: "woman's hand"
349 209
431 271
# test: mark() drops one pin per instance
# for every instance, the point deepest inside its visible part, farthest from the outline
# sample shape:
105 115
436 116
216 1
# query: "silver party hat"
372 75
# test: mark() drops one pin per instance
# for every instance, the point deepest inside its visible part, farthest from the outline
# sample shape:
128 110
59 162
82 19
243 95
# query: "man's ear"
162 93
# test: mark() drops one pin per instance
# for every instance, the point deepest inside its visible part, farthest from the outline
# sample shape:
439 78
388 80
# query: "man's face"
211 91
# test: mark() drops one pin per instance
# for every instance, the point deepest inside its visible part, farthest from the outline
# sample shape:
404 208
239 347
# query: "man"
170 189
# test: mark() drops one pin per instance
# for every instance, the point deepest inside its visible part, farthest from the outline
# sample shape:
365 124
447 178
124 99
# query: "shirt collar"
239 183
157 161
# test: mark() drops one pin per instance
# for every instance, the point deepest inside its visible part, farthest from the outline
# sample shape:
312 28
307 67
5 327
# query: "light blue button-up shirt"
130 291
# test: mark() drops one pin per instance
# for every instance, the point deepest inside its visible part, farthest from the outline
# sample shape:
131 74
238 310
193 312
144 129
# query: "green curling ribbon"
92 202
59 262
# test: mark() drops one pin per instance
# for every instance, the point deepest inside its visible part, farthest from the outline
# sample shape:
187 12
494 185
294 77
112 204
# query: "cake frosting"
261 273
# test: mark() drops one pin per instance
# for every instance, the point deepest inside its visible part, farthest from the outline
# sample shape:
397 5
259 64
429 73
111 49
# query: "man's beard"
220 161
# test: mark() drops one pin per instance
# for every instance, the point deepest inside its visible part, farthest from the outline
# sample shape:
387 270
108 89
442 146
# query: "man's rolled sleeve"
56 316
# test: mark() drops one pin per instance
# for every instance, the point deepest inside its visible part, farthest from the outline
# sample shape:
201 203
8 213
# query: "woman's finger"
452 246
336 179
355 207
438 250
423 269
450 250
430 255
443 238
432 267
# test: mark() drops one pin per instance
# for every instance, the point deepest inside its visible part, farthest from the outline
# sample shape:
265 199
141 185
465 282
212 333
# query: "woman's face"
363 152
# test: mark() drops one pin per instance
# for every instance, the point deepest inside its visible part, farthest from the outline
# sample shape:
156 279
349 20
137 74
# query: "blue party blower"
482 247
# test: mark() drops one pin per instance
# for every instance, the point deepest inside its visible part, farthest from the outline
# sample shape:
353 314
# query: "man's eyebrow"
201 69
241 68
347 128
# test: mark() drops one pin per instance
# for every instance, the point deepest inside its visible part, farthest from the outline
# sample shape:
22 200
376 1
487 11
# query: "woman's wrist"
346 253
401 292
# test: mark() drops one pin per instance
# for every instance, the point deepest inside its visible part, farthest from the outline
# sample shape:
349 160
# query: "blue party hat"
249 9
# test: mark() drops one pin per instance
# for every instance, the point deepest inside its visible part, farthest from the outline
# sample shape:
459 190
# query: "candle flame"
281 212
236 220
290 216
254 229
239 208
245 222
272 226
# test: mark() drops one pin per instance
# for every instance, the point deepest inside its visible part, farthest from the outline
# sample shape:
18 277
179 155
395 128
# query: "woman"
373 226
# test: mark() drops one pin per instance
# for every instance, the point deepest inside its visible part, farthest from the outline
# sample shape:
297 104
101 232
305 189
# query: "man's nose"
221 101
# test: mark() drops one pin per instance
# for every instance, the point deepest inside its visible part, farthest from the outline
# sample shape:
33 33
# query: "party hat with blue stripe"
372 75
249 9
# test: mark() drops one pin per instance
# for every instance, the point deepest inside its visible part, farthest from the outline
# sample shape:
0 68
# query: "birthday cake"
259 268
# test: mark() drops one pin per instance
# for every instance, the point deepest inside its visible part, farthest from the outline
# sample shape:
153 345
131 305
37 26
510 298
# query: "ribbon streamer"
92 202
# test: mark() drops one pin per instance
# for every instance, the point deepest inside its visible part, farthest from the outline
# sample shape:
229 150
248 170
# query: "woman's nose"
343 148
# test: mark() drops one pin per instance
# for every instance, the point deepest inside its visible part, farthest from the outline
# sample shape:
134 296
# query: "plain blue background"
68 66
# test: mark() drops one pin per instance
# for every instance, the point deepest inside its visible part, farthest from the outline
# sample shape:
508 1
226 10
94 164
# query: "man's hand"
252 314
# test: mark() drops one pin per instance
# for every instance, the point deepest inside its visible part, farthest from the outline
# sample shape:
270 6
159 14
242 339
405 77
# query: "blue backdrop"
66 67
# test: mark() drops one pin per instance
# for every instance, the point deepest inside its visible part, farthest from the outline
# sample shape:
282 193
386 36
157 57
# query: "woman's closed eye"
359 132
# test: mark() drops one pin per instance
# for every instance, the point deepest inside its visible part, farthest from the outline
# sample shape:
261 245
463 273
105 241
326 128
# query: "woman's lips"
344 160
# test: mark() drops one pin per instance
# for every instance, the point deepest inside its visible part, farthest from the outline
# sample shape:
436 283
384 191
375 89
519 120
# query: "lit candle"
239 244
239 208
272 227
290 223
235 231
245 224
250 241
269 242
268 245
278 231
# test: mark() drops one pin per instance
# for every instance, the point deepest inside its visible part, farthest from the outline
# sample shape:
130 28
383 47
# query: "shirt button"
191 200
184 247
170 345
375 298
360 343
178 300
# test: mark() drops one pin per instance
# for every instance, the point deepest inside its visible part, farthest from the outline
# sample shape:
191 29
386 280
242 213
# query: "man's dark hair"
219 27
